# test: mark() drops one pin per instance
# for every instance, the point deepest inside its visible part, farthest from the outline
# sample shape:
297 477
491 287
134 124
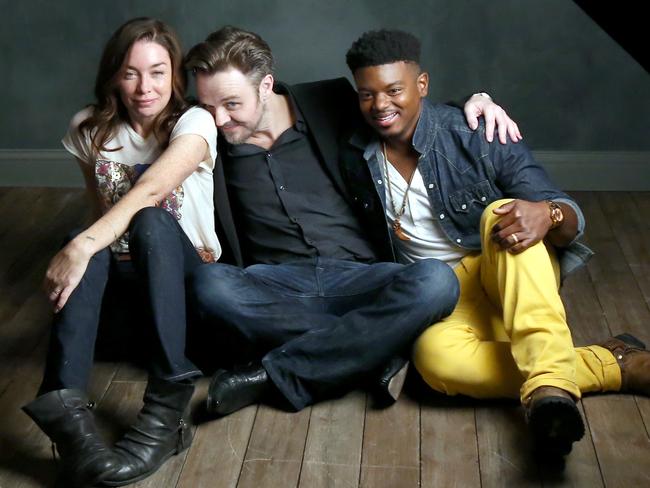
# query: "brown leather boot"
634 361
554 421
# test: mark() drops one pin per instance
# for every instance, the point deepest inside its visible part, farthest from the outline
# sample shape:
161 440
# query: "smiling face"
144 83
234 102
390 97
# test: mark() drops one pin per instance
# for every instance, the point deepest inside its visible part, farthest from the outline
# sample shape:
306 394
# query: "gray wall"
570 87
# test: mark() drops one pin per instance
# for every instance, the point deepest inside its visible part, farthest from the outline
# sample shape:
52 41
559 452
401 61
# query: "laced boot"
554 420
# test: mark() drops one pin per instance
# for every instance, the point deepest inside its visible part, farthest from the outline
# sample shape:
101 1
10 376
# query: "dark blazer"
330 110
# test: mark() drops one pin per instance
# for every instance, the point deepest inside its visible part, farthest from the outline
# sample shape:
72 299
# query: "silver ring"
514 238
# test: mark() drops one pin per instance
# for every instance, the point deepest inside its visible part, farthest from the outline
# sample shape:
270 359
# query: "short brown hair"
232 47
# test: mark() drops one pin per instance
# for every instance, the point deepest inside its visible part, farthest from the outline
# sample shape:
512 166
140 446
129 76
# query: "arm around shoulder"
495 116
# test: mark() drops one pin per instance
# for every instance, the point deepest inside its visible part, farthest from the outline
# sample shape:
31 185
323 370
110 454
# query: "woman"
147 159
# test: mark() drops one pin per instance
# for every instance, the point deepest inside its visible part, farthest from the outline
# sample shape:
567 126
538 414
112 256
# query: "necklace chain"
397 224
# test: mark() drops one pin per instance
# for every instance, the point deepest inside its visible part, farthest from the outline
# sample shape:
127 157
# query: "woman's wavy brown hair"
109 111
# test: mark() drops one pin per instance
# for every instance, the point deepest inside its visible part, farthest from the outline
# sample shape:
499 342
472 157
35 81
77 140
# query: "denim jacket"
463 173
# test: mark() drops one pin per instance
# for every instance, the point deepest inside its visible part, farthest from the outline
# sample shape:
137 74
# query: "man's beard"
238 138
246 132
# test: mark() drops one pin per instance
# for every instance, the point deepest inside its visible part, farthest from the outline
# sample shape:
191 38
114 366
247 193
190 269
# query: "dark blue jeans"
323 326
147 292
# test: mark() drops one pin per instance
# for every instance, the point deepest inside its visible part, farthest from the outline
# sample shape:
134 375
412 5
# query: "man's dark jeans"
147 292
324 325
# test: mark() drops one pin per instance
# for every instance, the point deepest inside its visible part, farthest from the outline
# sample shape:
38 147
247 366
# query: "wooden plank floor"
424 440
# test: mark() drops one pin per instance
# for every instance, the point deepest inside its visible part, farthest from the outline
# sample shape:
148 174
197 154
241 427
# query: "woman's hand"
65 272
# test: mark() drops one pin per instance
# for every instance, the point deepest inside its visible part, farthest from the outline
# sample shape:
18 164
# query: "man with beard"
322 305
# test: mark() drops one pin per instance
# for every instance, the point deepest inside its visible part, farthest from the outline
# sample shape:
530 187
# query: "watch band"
482 94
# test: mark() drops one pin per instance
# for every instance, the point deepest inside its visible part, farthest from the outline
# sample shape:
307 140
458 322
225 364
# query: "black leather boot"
391 380
65 417
230 391
159 432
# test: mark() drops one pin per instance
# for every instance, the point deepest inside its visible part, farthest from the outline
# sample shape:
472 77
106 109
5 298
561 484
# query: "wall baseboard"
598 170
572 170
39 167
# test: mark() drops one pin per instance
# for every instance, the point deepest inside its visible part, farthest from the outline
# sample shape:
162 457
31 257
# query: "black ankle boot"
159 432
65 417
391 380
230 391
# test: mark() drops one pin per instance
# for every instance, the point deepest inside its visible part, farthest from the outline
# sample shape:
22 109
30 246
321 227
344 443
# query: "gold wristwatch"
557 217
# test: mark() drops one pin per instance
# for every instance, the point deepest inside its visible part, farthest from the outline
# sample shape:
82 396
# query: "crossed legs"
322 326
508 334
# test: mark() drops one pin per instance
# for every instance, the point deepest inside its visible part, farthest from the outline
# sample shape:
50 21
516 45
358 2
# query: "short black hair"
383 46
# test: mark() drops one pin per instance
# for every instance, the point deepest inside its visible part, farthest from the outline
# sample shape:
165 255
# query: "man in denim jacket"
491 212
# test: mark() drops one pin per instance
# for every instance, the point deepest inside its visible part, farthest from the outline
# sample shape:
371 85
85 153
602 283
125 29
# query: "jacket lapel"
224 221
330 112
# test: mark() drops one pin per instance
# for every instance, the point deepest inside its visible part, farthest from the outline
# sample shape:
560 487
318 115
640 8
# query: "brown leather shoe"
634 361
554 420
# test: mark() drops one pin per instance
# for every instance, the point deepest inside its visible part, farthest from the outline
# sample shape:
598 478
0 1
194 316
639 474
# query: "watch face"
556 214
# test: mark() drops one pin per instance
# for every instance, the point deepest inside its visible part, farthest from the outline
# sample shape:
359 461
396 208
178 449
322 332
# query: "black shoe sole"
75 480
82 482
556 423
155 468
388 392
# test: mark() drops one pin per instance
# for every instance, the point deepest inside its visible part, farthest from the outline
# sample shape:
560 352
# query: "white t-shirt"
427 239
191 203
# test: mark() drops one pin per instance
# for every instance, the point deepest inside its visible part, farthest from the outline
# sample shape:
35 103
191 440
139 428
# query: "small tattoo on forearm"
90 237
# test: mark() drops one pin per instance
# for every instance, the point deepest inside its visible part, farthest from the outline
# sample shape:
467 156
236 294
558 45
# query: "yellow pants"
508 334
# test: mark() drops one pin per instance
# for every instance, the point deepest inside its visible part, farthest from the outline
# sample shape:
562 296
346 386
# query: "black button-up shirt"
286 205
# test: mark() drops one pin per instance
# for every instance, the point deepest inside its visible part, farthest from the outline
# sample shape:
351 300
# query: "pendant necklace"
397 225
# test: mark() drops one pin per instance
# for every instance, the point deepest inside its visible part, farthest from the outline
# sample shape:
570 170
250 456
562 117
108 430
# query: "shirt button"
463 206
458 240
430 185
483 199
442 216
282 187
379 181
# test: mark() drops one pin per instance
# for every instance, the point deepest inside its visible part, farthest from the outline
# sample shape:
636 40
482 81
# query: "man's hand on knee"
522 225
